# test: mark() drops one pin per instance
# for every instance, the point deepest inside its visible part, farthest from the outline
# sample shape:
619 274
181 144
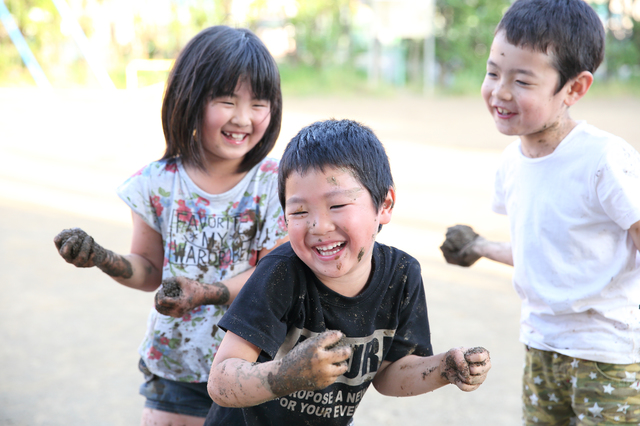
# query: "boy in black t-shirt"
332 311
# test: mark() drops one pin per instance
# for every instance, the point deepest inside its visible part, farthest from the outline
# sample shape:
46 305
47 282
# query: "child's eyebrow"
295 200
516 71
525 72
327 195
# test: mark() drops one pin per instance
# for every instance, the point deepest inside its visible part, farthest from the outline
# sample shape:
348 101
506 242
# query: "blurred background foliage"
322 46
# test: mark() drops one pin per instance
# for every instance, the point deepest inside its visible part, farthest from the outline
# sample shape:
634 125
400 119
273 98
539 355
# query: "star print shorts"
560 390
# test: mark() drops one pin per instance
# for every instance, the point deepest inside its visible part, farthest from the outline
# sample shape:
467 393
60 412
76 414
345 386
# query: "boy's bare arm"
236 380
464 247
634 231
179 295
141 269
414 375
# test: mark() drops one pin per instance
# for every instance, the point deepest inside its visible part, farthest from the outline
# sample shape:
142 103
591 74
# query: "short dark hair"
570 30
340 144
210 66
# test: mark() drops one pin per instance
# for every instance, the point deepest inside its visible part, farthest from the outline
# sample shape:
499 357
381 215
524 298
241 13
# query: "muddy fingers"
313 364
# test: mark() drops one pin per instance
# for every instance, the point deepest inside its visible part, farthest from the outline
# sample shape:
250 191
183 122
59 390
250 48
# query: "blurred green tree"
327 37
622 55
319 28
464 32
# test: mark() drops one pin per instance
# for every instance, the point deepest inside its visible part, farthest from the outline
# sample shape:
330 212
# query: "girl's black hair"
341 144
569 30
210 66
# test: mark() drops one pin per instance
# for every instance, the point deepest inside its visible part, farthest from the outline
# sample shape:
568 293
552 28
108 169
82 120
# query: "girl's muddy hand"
175 297
78 248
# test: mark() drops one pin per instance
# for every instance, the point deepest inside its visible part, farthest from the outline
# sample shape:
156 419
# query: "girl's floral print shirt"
207 238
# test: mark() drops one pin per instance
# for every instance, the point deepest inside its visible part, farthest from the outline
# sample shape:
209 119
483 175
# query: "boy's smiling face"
519 90
333 224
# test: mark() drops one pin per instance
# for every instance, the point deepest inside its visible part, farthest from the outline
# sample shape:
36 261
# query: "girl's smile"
234 137
233 125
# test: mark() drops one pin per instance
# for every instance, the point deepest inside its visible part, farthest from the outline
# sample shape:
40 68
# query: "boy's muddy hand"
78 248
458 246
466 368
313 364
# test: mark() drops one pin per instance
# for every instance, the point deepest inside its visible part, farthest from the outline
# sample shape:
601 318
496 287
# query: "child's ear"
578 87
387 206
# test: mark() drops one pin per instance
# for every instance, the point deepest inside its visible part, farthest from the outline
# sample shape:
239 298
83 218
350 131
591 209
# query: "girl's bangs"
263 77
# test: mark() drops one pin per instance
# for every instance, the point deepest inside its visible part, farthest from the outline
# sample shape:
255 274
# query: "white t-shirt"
574 260
207 238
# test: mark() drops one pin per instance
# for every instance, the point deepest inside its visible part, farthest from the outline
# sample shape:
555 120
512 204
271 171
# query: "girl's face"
233 125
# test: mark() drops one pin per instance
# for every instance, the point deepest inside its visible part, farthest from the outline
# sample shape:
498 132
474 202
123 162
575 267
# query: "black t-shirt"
283 303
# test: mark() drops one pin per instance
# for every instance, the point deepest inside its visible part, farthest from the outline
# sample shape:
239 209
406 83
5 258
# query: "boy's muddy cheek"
360 254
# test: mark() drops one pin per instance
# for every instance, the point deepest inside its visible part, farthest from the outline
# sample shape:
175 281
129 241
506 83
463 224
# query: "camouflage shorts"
561 390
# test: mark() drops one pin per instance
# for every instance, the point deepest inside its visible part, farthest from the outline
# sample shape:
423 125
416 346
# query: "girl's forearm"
232 286
112 264
132 270
216 293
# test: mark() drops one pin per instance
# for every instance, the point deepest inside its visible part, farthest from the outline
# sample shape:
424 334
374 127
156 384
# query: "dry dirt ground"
69 336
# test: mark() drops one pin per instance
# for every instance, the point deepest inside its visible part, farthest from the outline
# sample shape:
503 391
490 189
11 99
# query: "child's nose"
321 224
501 91
241 116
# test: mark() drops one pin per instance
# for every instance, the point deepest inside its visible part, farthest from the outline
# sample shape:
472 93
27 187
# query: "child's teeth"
235 136
328 250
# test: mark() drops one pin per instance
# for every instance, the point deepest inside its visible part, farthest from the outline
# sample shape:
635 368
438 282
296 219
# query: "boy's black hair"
569 30
210 66
341 144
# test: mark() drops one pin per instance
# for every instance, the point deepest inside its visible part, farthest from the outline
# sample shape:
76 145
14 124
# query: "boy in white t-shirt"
572 194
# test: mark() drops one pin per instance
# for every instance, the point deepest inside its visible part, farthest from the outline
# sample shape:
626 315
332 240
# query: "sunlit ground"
65 152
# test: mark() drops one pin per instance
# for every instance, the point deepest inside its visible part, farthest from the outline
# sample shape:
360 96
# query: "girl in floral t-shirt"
204 214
